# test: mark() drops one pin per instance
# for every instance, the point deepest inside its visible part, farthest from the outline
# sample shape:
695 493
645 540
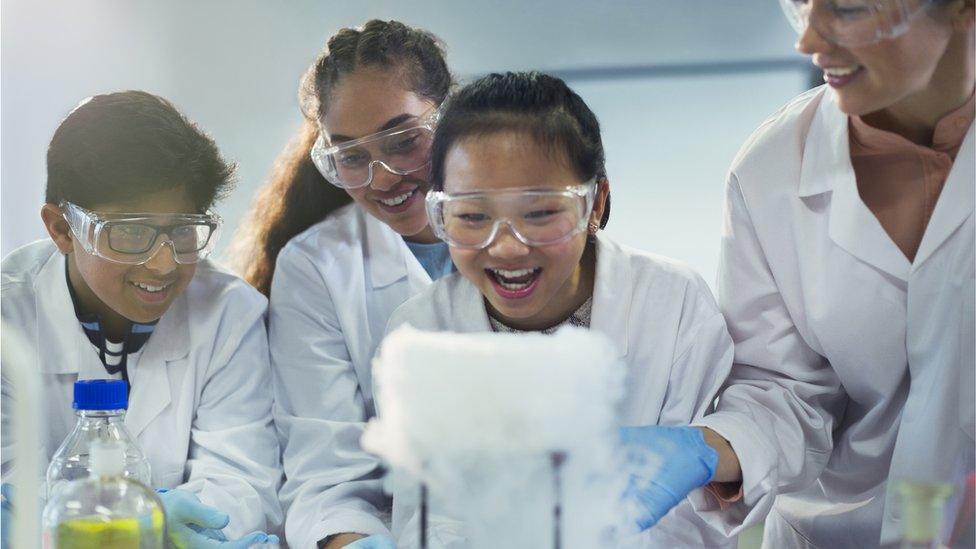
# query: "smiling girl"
520 193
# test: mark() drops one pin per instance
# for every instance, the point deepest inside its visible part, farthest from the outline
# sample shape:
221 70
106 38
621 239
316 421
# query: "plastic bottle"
104 511
100 406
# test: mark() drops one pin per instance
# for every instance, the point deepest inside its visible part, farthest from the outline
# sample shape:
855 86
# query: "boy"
122 290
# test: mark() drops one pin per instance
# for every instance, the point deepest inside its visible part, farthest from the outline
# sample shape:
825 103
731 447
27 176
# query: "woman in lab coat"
847 279
521 194
371 100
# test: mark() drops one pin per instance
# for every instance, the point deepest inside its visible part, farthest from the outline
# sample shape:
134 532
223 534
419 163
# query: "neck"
114 326
950 86
425 236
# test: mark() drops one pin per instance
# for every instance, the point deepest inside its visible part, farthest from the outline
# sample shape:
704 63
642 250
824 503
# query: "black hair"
416 55
119 146
540 105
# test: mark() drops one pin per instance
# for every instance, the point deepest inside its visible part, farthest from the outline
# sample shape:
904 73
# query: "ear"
600 200
57 227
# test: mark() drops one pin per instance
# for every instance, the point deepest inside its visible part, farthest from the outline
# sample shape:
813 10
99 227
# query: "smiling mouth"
397 200
516 280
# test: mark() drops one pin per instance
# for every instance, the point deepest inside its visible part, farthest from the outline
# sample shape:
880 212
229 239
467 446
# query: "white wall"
233 66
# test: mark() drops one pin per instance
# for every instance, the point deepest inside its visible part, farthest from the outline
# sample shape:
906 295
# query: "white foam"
478 418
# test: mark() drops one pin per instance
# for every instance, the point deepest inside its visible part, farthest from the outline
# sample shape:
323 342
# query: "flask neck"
101 414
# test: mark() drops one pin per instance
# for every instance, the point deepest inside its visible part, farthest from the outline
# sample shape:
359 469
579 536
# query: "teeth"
512 274
841 71
148 287
397 200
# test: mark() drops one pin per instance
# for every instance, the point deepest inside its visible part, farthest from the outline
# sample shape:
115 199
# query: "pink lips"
835 81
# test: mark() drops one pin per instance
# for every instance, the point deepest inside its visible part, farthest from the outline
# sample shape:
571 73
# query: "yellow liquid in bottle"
93 533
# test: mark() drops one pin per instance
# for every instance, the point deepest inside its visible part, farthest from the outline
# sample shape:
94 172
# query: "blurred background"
678 85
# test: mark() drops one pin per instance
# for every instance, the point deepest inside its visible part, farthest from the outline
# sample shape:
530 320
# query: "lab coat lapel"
62 346
612 295
955 204
388 257
467 306
827 167
170 341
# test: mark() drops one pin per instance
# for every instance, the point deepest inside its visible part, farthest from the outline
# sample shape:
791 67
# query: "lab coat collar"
826 167
955 203
388 256
612 294
169 342
62 346
826 153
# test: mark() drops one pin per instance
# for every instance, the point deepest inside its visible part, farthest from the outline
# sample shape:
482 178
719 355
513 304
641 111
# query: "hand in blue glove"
667 463
193 525
373 542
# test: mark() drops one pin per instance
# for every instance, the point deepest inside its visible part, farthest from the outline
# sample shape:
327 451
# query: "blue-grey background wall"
677 84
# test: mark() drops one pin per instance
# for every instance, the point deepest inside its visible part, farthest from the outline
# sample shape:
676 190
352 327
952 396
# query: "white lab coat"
669 332
200 406
854 367
334 288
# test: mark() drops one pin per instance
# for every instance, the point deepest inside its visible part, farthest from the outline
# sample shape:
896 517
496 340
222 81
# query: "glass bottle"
100 406
922 509
105 510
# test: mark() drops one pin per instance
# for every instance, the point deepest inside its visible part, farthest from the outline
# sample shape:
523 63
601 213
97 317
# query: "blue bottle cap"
101 394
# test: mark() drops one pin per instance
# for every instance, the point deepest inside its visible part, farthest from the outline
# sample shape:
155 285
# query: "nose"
383 178
506 245
163 260
811 41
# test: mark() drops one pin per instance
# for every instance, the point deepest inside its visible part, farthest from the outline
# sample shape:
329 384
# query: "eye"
541 214
472 218
404 143
353 159
849 11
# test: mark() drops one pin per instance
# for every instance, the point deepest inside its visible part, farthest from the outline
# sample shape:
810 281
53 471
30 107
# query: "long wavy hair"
296 195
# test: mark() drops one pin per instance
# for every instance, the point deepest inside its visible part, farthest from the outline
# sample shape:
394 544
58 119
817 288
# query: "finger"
243 543
211 533
204 515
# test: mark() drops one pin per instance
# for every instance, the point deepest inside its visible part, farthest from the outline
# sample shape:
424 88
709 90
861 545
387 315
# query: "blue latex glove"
7 518
373 542
667 463
193 525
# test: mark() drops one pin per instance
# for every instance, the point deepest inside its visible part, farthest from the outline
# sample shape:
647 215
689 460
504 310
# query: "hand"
667 464
193 525
373 542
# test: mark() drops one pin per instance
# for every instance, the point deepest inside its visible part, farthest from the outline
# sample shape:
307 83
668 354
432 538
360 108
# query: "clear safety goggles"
537 217
854 22
401 150
133 238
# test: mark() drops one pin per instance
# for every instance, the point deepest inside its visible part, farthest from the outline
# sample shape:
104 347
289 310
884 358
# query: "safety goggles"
537 217
133 238
854 23
401 150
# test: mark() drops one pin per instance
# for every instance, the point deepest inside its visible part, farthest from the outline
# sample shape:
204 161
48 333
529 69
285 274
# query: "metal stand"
557 459
423 516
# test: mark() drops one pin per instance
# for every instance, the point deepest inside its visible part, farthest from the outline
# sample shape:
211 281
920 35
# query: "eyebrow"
391 123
